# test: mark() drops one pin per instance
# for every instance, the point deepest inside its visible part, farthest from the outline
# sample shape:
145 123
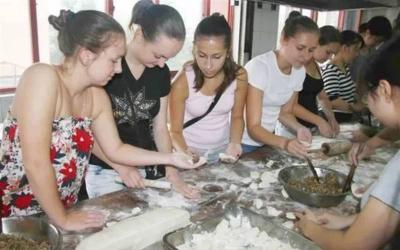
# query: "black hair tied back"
59 22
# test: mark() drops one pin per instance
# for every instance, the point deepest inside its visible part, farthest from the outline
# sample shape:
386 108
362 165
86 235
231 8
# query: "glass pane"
328 18
15 41
123 11
351 20
48 46
191 12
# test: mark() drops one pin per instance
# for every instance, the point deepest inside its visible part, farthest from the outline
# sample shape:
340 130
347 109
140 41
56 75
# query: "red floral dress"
71 144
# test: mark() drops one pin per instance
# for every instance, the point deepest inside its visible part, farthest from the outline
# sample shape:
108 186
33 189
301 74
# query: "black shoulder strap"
196 119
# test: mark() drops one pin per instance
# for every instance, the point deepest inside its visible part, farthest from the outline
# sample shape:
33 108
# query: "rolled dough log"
137 232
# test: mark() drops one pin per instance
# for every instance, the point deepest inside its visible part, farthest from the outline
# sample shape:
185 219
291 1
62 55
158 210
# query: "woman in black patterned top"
338 84
139 97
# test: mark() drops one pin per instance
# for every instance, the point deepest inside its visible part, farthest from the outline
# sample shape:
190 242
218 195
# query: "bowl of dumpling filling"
29 233
302 186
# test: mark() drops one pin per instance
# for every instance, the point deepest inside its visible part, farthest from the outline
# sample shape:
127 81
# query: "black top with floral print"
135 103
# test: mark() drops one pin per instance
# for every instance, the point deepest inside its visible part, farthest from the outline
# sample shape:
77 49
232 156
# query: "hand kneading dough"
137 232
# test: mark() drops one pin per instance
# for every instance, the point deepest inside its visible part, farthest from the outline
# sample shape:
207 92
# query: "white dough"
288 224
254 175
266 179
137 232
269 163
237 234
246 180
263 185
253 186
273 211
258 203
233 187
227 158
284 193
290 216
136 210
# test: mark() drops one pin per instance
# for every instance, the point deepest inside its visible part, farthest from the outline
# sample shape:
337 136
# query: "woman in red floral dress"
57 113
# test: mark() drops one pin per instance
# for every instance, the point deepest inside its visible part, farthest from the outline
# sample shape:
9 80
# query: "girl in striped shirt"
338 84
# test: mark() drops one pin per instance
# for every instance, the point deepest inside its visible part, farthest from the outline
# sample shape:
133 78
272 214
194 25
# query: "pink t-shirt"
213 130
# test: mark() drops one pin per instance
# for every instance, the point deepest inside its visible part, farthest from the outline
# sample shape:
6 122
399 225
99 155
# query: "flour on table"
173 199
254 175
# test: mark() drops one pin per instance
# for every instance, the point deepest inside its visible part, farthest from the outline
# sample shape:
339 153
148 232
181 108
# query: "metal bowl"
33 228
311 199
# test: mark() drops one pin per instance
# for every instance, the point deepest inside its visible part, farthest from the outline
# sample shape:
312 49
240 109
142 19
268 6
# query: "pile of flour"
234 233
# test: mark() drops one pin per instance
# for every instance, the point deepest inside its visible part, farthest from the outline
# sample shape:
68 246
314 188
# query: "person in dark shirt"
306 109
313 87
139 100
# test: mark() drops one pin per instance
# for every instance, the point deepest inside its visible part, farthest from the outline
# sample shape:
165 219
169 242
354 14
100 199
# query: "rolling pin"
333 148
150 183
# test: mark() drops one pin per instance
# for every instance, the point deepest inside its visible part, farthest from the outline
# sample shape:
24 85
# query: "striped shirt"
338 83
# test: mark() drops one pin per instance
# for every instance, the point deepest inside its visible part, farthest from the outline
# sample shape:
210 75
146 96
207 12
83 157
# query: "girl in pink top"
213 71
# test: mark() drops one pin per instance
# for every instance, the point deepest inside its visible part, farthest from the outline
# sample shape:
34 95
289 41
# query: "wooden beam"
34 31
110 7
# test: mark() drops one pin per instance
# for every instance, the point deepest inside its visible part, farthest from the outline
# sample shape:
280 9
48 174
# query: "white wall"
265 29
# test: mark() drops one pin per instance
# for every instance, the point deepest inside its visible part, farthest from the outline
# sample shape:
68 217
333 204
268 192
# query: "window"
191 12
48 45
328 18
15 41
123 12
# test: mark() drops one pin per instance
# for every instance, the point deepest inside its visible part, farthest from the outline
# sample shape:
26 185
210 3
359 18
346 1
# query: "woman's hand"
334 125
325 129
182 160
296 148
299 145
359 151
131 177
304 136
332 221
234 149
305 223
79 220
327 220
183 188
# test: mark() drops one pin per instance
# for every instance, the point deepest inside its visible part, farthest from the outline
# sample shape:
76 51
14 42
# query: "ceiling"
335 4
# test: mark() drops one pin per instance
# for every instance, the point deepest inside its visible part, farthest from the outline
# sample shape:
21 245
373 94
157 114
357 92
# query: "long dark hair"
349 38
216 25
90 29
329 34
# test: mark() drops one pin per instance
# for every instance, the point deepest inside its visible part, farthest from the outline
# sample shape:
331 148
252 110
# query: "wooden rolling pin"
333 148
150 183
336 148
